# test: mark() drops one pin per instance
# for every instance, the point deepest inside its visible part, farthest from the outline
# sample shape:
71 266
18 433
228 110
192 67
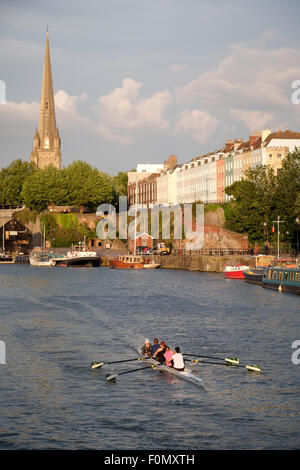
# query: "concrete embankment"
203 262
195 262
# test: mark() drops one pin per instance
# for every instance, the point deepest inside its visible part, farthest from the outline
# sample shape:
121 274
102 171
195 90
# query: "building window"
279 156
270 156
47 143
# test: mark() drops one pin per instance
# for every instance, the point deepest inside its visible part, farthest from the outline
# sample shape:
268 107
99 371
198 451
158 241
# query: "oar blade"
232 360
253 368
97 365
111 377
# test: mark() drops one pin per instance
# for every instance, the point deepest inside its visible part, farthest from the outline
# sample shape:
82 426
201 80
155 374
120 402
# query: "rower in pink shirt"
167 355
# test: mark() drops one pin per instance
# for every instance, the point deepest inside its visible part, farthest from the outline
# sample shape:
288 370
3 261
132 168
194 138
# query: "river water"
56 321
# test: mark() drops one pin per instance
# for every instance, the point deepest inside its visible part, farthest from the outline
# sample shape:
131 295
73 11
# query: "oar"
110 377
230 360
97 365
252 368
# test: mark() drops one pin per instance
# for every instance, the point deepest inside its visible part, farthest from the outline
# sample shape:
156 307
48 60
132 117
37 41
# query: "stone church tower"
46 141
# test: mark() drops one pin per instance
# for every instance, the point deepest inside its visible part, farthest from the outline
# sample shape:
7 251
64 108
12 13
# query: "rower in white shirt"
178 361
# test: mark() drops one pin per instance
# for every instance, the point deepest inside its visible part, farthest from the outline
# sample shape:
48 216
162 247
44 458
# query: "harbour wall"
203 262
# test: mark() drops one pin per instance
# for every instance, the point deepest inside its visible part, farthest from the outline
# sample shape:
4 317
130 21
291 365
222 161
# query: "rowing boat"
186 374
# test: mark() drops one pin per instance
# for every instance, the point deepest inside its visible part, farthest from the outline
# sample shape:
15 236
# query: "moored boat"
282 279
6 259
79 256
40 259
151 265
127 262
254 275
235 272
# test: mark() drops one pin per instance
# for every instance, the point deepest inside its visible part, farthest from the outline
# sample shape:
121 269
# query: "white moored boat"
40 259
186 374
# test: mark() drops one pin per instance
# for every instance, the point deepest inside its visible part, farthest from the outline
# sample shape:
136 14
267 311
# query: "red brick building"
144 239
144 192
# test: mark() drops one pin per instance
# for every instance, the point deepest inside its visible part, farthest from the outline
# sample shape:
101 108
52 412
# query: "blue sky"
136 81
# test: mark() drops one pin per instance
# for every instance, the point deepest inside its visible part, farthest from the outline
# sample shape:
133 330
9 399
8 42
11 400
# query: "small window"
279 156
270 156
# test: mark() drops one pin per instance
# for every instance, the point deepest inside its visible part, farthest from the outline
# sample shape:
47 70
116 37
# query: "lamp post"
265 239
278 222
265 224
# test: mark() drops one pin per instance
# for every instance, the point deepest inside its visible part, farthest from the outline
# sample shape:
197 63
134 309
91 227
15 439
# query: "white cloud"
249 88
120 114
13 113
253 119
123 112
198 124
250 77
68 115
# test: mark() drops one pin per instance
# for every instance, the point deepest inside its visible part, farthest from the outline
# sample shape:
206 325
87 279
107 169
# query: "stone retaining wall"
202 262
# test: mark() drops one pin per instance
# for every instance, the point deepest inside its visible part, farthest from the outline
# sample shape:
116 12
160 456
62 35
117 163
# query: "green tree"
288 194
261 196
297 206
120 182
253 202
12 179
45 187
87 186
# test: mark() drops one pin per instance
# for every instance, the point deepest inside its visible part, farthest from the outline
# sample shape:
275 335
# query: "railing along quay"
230 252
213 252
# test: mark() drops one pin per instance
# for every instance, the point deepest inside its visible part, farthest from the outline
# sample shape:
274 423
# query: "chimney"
228 145
253 139
172 161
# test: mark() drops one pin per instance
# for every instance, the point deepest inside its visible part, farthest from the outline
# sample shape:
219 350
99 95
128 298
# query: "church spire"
48 150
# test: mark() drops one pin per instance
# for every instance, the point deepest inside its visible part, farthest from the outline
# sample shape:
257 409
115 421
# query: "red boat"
127 262
235 272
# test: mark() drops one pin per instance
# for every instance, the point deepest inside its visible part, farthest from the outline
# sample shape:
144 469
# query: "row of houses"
205 177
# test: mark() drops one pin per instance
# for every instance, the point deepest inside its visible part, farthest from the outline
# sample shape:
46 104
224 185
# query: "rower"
168 356
159 354
147 348
155 346
178 361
